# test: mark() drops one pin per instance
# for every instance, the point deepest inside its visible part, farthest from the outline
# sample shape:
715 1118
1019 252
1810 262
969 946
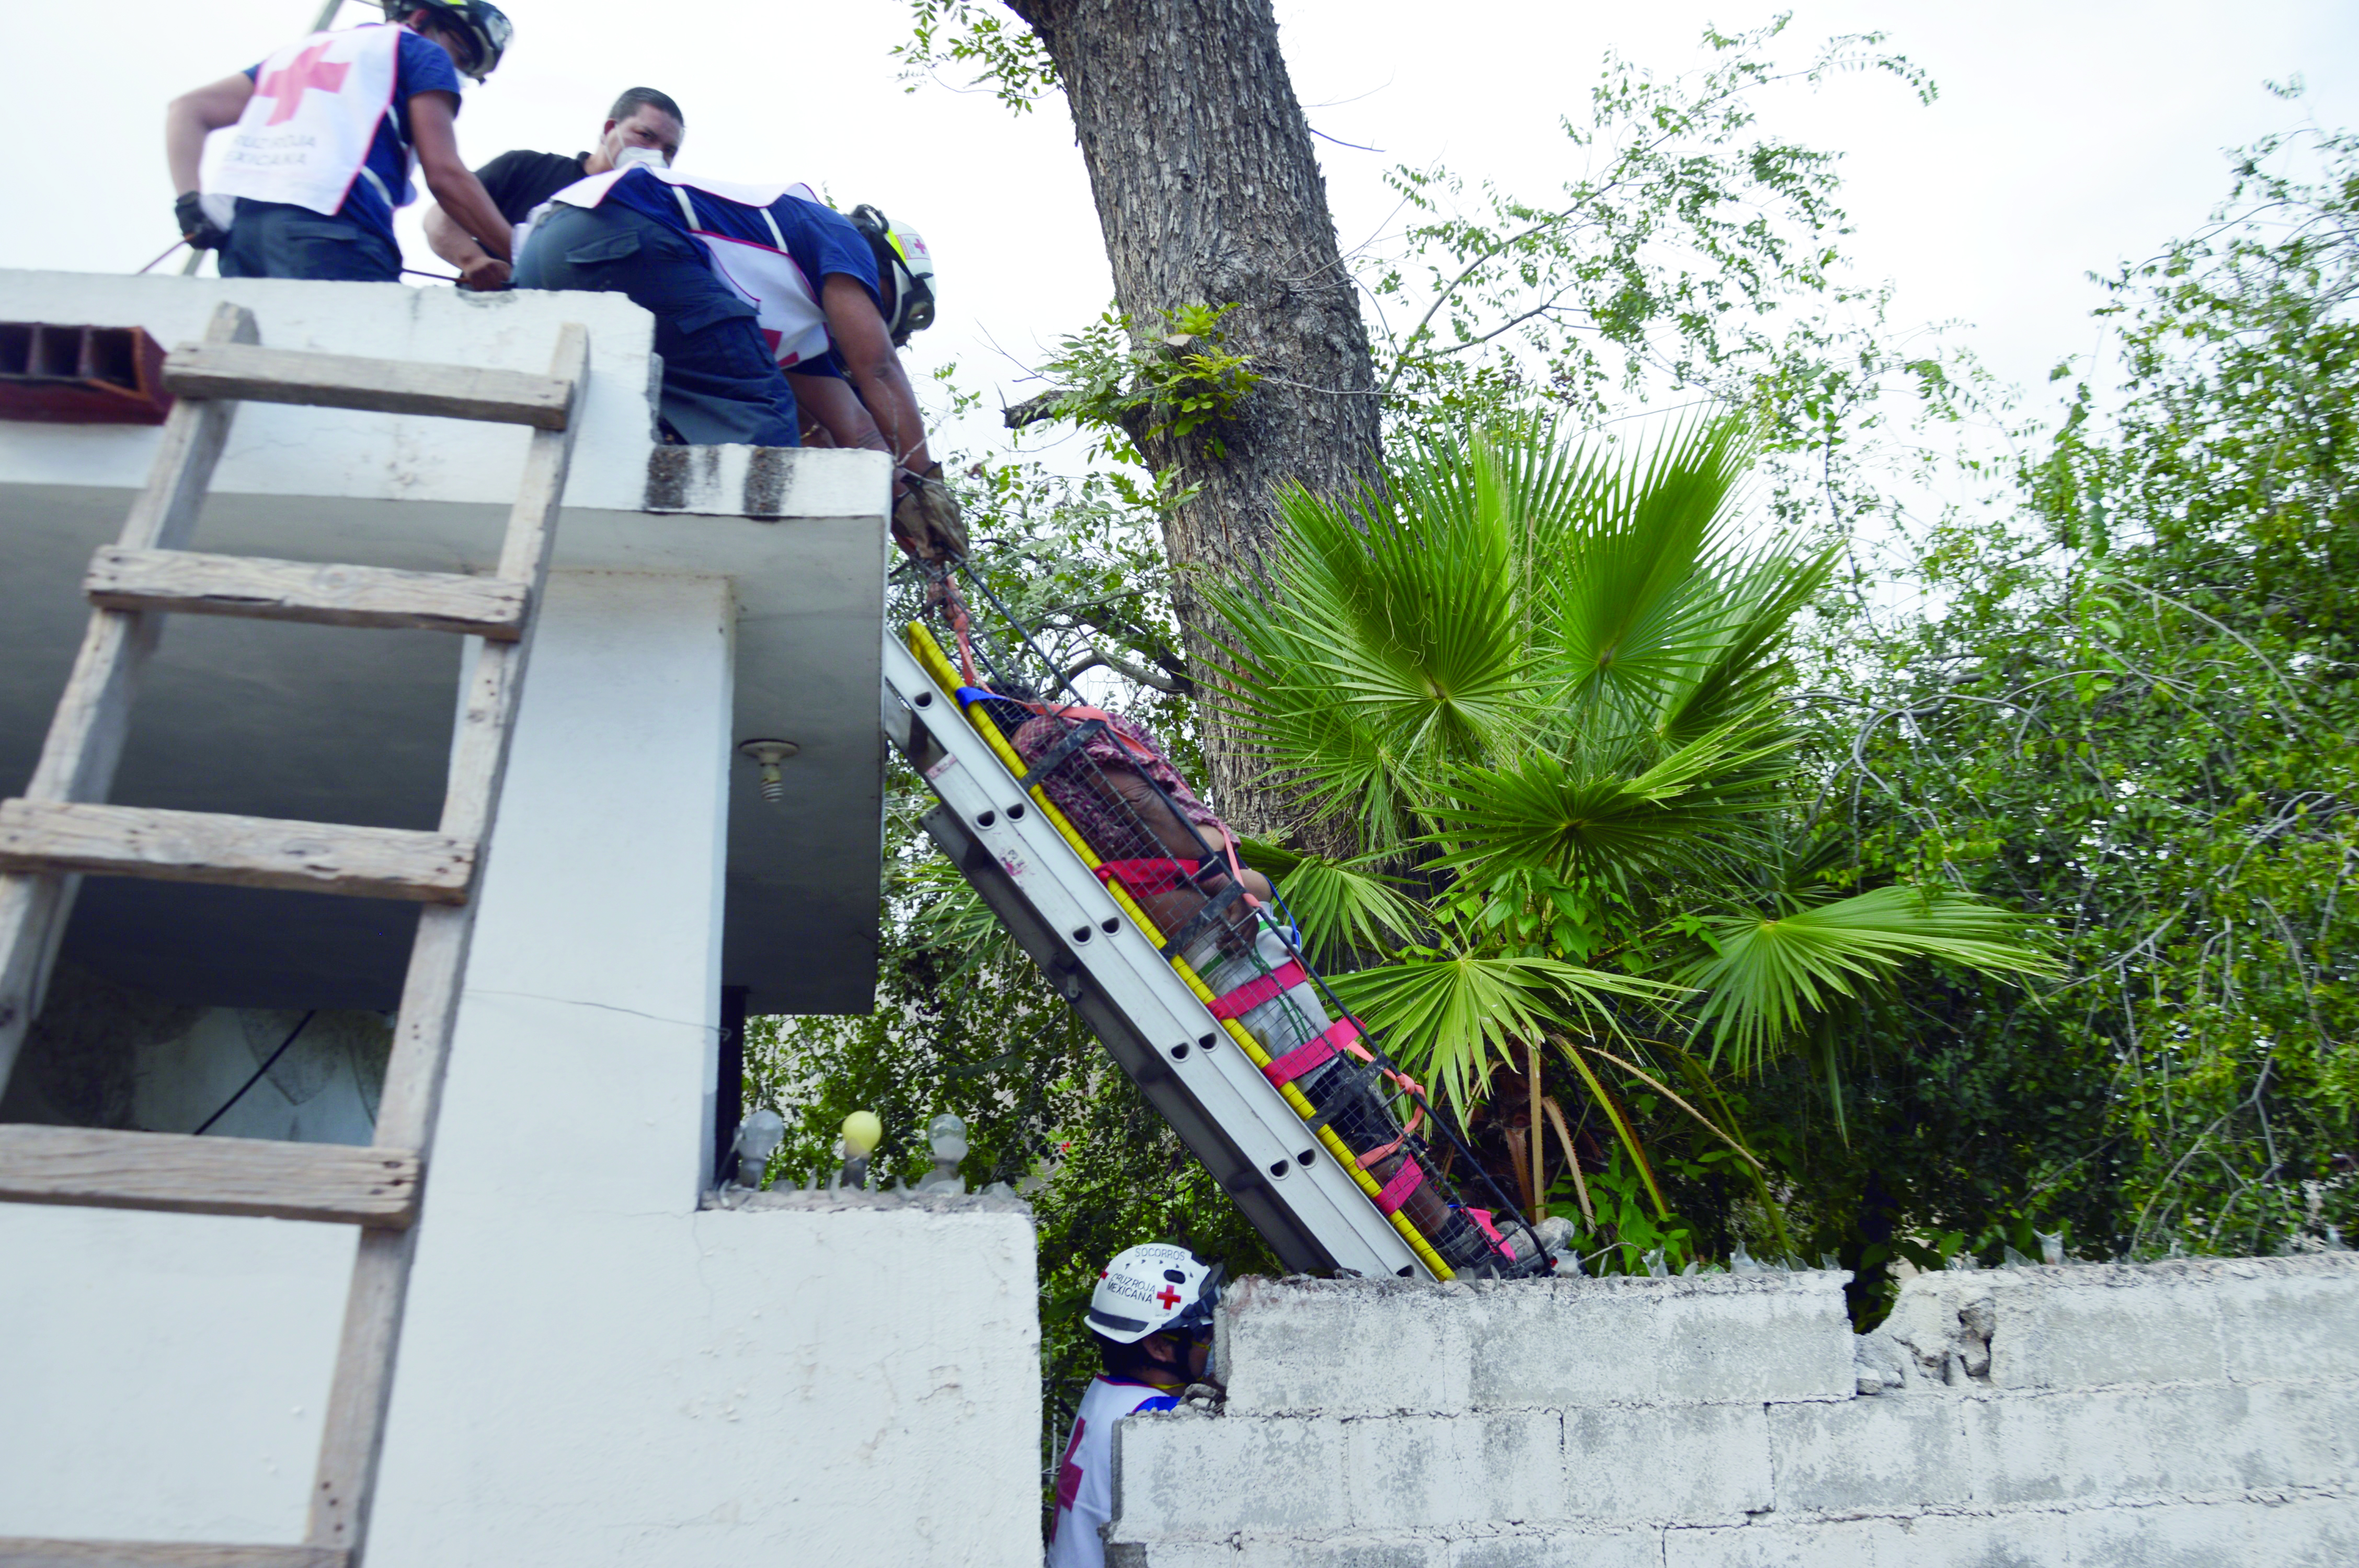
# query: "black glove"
201 232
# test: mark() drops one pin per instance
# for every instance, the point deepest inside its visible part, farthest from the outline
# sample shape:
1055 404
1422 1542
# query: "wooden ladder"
61 830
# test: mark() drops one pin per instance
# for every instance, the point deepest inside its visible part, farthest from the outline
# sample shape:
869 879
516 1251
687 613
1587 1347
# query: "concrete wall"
2193 1413
379 457
594 1370
326 725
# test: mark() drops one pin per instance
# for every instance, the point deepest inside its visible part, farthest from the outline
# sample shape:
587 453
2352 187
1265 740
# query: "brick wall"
2199 1412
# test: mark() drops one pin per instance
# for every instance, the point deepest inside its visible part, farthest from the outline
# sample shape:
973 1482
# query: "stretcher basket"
1172 865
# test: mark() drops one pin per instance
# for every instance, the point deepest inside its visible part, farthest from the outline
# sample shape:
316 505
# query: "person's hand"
485 274
926 519
202 232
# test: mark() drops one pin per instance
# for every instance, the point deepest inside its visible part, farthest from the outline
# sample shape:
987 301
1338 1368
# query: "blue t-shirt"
422 66
820 239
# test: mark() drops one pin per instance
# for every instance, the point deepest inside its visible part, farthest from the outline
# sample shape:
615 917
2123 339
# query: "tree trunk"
1209 193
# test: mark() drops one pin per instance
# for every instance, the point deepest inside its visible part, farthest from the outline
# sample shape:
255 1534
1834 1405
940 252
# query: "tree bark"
1209 193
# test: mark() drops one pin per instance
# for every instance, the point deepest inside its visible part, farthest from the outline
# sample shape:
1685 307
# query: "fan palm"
1542 688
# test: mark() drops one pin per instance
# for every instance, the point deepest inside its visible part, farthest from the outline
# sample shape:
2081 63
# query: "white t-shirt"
1085 1479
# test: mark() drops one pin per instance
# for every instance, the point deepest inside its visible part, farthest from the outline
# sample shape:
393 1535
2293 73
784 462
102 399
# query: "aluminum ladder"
1295 1183
60 830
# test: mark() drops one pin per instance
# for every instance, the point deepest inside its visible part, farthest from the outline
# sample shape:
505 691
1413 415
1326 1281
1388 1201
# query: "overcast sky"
2071 135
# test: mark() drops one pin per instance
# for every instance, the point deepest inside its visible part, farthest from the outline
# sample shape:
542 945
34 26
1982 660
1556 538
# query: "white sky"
2070 134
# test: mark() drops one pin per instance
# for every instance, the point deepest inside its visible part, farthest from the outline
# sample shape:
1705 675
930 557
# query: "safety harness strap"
1341 1034
1214 907
1070 742
1396 1191
1149 877
1256 992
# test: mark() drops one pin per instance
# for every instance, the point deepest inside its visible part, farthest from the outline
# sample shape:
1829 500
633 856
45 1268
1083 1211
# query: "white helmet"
1148 1289
905 273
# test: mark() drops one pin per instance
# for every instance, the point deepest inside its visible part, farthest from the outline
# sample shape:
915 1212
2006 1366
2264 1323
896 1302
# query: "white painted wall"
2192 1415
800 535
348 453
594 1370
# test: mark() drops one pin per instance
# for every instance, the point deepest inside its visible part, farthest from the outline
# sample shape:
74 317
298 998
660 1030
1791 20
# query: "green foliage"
1692 247
2134 713
1002 51
1130 388
1545 686
1770 975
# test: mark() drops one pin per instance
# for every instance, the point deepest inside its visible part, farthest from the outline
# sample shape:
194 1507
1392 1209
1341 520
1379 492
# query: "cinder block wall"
2202 1412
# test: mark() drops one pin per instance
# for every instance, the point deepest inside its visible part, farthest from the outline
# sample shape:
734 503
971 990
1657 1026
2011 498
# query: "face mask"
633 158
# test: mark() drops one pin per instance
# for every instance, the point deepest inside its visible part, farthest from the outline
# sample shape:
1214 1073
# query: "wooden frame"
379 386
90 1168
61 828
17 1551
300 591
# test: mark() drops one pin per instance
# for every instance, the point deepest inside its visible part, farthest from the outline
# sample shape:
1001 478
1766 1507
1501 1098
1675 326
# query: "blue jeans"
721 384
271 239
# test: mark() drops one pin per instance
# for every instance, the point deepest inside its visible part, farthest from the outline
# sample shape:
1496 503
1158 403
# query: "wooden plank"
18 1551
85 1167
302 590
241 852
382 386
85 738
353 1440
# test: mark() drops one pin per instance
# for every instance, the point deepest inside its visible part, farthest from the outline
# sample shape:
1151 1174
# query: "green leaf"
1767 974
1445 1018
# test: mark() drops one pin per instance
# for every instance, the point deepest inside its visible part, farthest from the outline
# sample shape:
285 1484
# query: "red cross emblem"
1168 1299
304 73
1069 1474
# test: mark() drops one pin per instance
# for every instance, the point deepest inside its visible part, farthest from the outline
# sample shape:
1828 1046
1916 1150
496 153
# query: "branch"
1031 411
1178 684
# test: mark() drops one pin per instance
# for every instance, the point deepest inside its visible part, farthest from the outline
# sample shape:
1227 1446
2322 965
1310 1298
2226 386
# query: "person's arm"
830 402
478 268
192 116
433 132
858 328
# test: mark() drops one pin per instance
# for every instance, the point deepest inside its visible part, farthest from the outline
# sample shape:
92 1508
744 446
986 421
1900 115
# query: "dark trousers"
721 385
271 239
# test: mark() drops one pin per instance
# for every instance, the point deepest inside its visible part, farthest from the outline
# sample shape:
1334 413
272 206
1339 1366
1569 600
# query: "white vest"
786 306
1085 1478
305 134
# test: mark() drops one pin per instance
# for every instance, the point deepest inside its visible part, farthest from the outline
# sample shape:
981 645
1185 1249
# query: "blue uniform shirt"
820 239
422 66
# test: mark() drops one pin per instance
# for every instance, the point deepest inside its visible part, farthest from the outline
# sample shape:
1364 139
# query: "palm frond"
1397 645
1445 1018
1766 976
1346 908
1625 627
1614 825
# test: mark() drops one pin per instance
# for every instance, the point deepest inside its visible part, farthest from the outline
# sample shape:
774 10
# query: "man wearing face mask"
326 132
521 181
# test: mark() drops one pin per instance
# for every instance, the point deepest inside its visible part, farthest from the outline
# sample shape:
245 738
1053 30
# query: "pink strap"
1302 1058
1254 992
1397 1190
1148 877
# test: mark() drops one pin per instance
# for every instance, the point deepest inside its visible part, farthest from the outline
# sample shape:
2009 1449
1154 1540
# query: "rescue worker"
767 302
327 131
521 181
1152 1317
